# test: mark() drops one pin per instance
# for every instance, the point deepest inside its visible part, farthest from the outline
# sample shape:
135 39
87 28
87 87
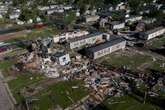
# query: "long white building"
117 25
106 48
84 40
92 18
133 18
69 35
154 33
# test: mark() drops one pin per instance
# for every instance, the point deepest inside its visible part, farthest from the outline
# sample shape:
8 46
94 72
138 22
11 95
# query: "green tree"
113 2
134 4
28 13
19 2
70 17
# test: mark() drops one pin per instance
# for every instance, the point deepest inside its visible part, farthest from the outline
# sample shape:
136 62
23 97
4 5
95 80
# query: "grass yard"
5 67
61 94
16 52
5 22
70 17
47 32
158 65
36 33
120 59
157 43
126 103
21 81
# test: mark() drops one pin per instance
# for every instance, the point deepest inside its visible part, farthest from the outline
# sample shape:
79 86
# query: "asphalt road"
5 102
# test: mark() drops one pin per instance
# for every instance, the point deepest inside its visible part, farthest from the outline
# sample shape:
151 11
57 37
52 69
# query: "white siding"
109 50
86 41
119 26
63 60
92 18
155 34
133 19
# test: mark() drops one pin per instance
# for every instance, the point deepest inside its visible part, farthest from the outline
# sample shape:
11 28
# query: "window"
64 59
99 53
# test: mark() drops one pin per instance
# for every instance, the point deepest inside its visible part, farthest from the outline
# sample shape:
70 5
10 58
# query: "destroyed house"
61 58
4 47
84 40
105 48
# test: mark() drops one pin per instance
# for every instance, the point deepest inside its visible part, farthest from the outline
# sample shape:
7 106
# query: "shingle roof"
105 45
153 30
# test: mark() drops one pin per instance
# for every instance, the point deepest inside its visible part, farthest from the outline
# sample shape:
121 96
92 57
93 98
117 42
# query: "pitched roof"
105 45
153 30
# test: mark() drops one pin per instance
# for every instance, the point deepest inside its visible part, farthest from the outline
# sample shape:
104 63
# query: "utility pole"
145 97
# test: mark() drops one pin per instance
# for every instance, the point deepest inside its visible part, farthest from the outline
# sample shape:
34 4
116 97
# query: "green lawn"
157 43
39 33
127 103
132 62
36 33
70 17
5 22
158 65
22 81
16 52
5 65
61 94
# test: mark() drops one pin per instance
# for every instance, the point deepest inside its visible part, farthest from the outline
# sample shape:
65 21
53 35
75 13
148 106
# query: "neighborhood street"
5 102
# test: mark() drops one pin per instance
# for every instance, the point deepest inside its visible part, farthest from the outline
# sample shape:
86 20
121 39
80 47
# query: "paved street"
5 102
